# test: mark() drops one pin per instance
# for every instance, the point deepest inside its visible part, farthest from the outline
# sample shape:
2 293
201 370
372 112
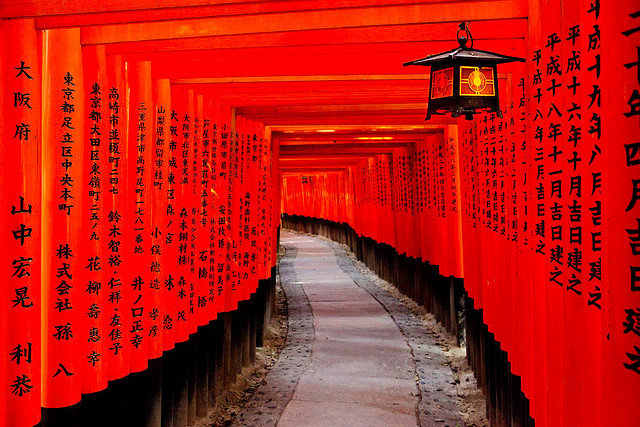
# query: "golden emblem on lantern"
464 81
476 81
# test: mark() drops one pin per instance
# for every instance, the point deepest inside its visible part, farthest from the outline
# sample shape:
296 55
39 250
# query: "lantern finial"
462 39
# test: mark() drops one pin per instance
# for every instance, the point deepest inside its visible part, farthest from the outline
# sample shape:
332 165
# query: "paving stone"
312 413
351 387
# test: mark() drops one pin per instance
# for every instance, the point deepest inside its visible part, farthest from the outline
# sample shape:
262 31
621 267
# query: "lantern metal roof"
464 53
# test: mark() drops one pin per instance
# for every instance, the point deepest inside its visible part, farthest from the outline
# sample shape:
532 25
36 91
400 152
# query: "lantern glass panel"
477 81
442 83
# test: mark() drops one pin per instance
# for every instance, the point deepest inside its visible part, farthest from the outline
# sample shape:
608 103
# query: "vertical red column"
577 347
525 219
471 168
20 210
233 208
555 235
263 210
206 171
264 223
420 171
248 198
163 295
239 197
535 132
215 217
238 207
510 270
191 135
620 267
454 224
276 181
181 120
63 191
92 245
173 281
271 202
199 235
117 352
194 239
350 198
223 255
137 285
342 194
589 210
252 206
469 182
414 232
248 227
4 248
439 205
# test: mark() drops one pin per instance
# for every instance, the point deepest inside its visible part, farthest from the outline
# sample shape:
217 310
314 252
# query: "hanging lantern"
464 81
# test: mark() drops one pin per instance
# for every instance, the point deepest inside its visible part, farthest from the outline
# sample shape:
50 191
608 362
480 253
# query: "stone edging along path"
438 403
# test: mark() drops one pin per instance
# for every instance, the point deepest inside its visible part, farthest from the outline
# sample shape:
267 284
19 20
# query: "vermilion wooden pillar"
3 290
116 358
163 301
136 301
162 199
276 192
92 278
229 143
200 239
620 84
452 196
209 204
20 251
179 228
191 135
63 154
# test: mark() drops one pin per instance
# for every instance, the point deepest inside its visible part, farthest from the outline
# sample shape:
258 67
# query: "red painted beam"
329 99
69 13
353 142
328 109
380 114
252 60
321 159
432 32
307 20
350 120
300 62
317 170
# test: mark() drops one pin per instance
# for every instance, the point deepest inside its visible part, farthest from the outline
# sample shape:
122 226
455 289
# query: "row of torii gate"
151 148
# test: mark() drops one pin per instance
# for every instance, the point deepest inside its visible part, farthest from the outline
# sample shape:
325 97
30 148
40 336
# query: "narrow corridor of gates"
153 149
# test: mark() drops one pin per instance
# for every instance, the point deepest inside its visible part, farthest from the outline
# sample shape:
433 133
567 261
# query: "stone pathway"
354 356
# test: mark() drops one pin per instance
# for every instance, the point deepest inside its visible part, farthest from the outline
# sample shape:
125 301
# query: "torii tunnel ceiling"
304 108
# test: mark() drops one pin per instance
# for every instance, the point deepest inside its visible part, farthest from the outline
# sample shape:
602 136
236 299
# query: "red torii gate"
302 67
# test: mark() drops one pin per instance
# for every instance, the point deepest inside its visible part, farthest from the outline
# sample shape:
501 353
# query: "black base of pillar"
182 385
